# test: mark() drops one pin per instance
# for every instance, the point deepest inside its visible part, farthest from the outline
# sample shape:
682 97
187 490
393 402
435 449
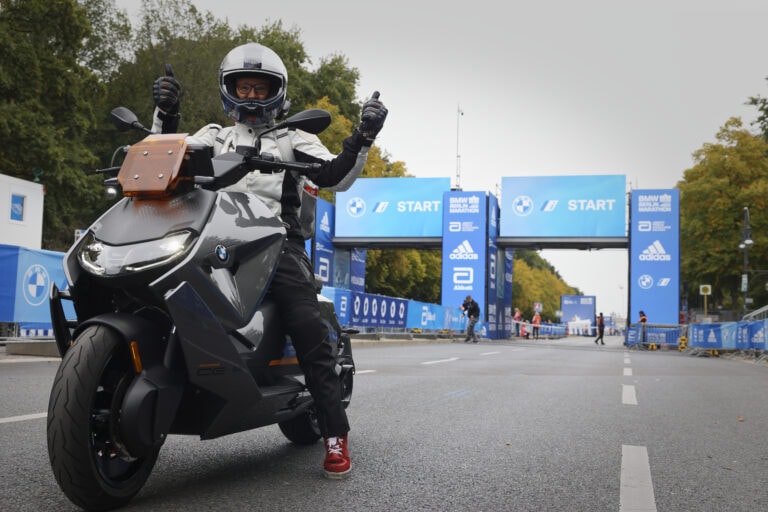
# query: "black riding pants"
293 288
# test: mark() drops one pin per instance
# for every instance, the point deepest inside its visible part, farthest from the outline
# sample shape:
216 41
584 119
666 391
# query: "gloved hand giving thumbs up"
372 118
166 91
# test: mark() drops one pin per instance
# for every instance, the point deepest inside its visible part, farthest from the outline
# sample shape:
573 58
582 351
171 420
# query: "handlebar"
269 166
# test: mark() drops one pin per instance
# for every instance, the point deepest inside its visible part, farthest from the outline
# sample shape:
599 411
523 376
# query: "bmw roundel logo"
36 283
522 206
356 207
221 253
645 281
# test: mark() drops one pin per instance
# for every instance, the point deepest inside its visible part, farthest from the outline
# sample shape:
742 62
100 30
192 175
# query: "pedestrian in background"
516 319
471 310
536 321
600 329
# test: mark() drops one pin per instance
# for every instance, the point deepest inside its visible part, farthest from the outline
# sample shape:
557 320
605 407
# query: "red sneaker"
337 463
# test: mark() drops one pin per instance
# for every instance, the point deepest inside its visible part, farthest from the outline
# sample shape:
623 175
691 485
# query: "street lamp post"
746 243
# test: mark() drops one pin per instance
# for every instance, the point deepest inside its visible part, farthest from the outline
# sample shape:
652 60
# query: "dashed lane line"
438 361
24 417
636 488
628 395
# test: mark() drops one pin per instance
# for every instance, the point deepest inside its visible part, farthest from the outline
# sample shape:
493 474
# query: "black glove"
372 118
166 91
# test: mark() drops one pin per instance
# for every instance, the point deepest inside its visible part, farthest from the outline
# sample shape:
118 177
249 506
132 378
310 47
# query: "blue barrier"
742 335
658 335
369 311
757 333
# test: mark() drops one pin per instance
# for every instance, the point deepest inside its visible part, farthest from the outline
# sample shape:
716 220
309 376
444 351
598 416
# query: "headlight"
110 260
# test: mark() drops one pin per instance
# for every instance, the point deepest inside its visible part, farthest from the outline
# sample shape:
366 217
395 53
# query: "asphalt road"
494 426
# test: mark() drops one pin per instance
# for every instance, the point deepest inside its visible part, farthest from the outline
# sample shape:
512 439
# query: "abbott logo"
463 275
324 269
464 252
655 252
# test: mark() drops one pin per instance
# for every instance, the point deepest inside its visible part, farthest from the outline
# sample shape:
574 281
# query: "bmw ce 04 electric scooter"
174 331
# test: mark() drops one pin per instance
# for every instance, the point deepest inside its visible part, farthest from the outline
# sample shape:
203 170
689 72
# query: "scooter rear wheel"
88 460
302 429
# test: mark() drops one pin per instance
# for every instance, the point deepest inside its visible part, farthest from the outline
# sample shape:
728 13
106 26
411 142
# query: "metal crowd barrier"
646 336
702 339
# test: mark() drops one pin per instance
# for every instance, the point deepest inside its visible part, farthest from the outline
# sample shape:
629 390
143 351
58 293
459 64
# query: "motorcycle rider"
253 83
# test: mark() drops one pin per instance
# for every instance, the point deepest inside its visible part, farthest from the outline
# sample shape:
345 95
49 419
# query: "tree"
762 117
46 110
104 48
534 279
727 176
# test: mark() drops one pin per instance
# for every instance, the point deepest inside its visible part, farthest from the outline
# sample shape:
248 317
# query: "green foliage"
45 109
535 280
761 104
727 176
65 64
411 273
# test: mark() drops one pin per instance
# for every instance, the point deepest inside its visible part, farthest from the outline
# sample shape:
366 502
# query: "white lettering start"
591 204
418 206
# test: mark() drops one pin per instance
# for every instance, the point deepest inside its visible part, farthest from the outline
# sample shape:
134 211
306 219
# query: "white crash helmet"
255 60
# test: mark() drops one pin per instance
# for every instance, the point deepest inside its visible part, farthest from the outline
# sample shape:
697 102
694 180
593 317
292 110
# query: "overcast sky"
547 87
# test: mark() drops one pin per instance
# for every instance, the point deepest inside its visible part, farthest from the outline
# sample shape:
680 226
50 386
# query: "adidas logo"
325 224
464 252
655 252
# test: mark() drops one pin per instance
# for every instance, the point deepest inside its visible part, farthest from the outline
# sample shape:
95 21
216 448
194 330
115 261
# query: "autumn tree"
534 279
728 175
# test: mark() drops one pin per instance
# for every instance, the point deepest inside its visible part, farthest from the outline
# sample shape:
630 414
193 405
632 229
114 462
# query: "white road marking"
31 360
489 353
441 361
626 360
636 489
627 372
628 396
14 419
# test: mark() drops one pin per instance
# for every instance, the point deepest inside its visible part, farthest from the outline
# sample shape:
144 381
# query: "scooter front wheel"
88 459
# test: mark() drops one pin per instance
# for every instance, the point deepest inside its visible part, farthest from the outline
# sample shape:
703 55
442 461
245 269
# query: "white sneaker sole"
333 475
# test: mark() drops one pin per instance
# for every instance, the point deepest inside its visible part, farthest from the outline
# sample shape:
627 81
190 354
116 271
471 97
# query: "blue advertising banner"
707 336
26 283
323 253
391 208
357 268
371 310
563 206
341 303
494 306
465 250
507 299
654 266
578 313
742 336
432 317
757 332
342 268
